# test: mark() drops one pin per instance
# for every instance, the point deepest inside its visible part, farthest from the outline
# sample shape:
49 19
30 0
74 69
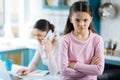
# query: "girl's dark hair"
78 6
44 25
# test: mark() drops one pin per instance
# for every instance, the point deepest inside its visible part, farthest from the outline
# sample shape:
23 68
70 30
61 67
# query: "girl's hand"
72 64
95 60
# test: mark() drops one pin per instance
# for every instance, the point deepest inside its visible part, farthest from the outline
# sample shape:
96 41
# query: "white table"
38 76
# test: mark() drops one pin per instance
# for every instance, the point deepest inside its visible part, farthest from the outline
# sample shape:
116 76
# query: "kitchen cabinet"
17 54
112 60
21 56
57 4
41 66
16 57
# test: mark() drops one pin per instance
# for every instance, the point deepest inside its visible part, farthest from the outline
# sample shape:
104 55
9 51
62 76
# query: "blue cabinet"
41 66
21 51
26 56
31 53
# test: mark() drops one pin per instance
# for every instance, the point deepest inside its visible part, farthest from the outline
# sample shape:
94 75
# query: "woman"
82 50
47 51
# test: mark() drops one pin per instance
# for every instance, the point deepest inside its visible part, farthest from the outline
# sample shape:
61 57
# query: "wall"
54 16
96 18
59 17
110 28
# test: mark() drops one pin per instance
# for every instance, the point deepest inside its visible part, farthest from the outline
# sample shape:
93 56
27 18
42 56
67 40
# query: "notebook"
5 75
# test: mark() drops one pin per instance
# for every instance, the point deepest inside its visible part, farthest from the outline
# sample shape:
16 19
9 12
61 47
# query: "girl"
82 50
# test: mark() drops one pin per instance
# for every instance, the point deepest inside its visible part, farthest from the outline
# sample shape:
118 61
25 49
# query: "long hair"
78 6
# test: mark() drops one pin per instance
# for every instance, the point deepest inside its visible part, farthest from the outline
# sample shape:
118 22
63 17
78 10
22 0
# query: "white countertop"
114 58
12 44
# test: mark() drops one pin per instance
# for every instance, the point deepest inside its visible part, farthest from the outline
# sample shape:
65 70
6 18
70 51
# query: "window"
14 18
14 14
1 18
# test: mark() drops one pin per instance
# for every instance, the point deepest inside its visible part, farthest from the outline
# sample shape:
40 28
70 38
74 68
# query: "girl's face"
39 34
80 21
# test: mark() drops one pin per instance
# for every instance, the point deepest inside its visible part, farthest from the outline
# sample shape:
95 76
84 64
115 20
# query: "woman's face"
39 34
81 21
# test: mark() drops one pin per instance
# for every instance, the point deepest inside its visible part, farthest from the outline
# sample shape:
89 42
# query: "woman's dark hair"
44 25
78 6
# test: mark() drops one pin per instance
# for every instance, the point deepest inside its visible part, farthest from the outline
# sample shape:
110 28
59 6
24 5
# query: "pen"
47 73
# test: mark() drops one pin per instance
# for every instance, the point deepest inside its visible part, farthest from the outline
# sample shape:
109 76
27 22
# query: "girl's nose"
81 22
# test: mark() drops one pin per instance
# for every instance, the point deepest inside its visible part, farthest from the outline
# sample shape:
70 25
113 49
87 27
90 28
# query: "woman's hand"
54 39
47 45
72 64
95 60
23 71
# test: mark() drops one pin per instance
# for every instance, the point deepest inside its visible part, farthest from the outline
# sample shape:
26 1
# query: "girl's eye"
77 20
85 20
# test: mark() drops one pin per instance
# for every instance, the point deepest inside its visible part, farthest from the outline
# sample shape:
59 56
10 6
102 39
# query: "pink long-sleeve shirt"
82 53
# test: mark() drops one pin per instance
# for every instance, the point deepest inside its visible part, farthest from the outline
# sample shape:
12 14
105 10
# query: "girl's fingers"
95 60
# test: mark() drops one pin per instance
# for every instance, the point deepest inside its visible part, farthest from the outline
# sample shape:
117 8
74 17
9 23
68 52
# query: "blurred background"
17 18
